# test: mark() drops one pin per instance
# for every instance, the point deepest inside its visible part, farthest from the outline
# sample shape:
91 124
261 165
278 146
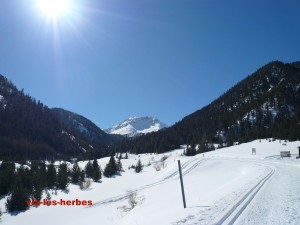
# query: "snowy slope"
225 186
135 126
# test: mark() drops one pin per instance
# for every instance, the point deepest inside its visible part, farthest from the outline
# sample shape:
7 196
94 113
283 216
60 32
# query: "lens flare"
54 8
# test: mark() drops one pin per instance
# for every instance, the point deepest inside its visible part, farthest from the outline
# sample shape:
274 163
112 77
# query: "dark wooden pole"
181 182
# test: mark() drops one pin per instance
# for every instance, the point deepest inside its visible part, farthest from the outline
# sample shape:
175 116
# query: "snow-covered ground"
225 186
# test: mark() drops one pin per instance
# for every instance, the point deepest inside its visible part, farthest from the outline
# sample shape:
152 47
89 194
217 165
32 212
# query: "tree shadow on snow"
15 213
66 191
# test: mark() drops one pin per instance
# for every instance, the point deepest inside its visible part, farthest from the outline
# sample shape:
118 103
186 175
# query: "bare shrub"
133 200
85 184
157 166
163 159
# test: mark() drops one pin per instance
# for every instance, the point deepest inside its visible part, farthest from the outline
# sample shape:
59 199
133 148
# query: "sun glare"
54 8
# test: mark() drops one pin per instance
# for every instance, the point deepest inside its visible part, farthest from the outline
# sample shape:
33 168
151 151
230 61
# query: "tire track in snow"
233 214
186 168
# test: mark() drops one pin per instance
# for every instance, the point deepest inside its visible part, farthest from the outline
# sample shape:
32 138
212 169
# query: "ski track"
233 214
230 213
186 167
281 205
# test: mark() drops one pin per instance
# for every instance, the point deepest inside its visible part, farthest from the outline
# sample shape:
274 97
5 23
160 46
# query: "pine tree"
89 169
120 156
191 150
23 174
82 177
38 177
18 198
51 176
41 174
111 167
139 166
96 171
75 173
62 176
37 192
48 196
119 165
7 175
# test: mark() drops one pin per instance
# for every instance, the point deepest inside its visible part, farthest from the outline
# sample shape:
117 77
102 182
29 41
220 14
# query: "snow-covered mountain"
135 126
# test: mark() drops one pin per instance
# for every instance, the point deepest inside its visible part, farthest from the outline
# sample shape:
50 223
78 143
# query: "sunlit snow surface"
225 186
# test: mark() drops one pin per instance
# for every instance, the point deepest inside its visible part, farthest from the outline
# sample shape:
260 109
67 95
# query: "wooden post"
181 182
299 153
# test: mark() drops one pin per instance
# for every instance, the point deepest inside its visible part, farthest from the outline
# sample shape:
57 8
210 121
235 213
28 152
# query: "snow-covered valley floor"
225 186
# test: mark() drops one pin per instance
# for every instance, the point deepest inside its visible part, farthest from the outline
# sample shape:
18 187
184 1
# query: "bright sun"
54 8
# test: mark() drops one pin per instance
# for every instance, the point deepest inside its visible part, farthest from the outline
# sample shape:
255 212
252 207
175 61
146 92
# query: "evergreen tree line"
29 182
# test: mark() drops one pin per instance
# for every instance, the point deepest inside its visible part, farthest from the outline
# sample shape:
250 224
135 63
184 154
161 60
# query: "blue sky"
111 59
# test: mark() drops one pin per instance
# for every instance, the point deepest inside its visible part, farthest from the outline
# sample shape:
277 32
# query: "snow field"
225 186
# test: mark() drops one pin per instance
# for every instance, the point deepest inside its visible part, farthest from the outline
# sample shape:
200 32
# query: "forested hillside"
265 104
30 130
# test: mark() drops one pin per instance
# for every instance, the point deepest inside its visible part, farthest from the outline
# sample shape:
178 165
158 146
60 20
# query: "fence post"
181 182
